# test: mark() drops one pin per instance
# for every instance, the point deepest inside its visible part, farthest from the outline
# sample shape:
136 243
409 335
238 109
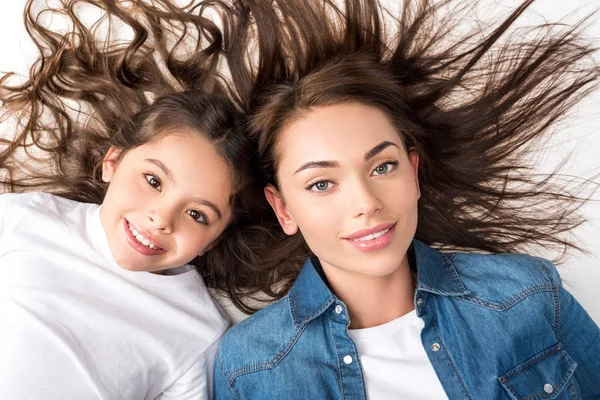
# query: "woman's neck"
373 301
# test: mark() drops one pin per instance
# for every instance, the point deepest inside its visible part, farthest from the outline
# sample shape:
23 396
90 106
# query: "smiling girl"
378 150
102 293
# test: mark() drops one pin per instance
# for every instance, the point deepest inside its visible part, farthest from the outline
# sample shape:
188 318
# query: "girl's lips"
373 244
137 246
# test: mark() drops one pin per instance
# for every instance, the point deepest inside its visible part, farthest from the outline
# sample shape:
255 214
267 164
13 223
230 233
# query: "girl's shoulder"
13 205
17 199
46 202
30 199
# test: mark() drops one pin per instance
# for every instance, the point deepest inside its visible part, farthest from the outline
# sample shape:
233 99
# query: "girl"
377 151
102 295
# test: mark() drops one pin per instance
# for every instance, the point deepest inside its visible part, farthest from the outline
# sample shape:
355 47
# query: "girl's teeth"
371 236
141 239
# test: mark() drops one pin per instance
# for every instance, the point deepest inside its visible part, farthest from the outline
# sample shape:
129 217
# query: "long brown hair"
473 104
90 89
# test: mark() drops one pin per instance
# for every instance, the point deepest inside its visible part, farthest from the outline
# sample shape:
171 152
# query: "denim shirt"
495 327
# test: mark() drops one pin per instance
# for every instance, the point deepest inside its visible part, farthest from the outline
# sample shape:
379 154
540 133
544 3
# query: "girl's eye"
153 181
198 216
385 168
320 186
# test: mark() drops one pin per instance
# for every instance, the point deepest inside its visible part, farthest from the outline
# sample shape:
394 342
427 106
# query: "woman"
146 199
375 147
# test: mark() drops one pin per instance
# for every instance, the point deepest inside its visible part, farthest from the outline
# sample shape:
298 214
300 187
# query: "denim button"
348 359
548 388
435 347
420 302
339 309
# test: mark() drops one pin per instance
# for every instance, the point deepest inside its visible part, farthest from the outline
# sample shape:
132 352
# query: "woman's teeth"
140 238
372 236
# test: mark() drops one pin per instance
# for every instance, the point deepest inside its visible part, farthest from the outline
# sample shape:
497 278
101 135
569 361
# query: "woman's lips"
373 239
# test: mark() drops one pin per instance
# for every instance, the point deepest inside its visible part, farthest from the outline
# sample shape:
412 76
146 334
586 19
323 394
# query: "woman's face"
350 187
167 201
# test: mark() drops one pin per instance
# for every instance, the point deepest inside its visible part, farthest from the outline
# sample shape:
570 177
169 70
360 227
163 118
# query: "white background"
578 136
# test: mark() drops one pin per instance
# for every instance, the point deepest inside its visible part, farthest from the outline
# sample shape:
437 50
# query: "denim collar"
310 296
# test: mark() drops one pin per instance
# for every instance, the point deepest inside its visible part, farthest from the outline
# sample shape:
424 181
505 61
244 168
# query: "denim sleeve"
580 337
221 388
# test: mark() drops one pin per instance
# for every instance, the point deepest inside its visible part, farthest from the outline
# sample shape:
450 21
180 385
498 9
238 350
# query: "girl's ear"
414 162
109 164
283 215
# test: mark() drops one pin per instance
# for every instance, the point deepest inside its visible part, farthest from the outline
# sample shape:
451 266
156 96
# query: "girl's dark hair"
89 90
472 104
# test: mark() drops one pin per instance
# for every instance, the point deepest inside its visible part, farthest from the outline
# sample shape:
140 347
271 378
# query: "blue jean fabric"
496 327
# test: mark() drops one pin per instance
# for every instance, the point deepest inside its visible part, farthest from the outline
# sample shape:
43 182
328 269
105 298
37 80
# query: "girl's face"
350 187
167 201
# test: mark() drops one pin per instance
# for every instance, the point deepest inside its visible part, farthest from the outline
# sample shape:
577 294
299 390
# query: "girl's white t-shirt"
394 362
75 325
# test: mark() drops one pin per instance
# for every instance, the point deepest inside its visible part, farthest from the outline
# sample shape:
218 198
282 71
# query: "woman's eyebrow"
378 149
332 164
317 164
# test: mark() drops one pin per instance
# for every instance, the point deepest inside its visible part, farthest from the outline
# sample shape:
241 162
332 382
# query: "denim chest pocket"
546 376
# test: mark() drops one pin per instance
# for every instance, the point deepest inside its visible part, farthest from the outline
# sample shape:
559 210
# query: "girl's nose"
161 220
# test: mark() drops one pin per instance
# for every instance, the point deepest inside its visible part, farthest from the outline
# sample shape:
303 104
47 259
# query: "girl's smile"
143 243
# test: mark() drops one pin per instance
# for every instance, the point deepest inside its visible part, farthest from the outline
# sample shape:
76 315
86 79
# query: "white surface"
394 361
75 325
578 134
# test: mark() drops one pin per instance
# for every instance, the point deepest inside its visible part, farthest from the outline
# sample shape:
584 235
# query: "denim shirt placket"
437 351
351 377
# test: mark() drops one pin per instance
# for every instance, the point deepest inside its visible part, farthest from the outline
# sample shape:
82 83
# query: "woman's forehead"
338 131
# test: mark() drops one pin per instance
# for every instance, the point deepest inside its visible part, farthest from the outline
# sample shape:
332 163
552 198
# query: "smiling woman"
392 155
351 187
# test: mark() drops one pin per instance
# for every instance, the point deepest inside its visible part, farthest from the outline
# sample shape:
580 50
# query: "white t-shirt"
75 325
394 362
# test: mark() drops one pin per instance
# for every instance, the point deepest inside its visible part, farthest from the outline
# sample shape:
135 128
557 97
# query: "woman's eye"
320 186
153 181
385 168
198 216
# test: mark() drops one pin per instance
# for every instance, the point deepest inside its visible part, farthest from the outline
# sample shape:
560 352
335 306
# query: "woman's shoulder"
258 339
504 278
515 266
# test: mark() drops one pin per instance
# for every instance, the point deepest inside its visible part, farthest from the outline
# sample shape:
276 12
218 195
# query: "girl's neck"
373 301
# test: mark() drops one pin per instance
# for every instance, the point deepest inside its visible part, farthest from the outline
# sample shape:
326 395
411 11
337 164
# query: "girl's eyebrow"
209 204
332 164
162 166
198 200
